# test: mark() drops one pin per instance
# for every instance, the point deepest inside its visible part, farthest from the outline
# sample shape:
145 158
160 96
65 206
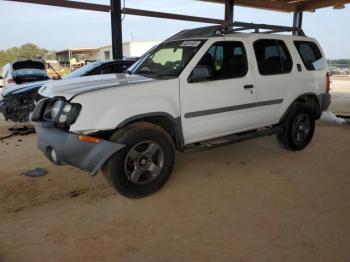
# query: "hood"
69 88
23 88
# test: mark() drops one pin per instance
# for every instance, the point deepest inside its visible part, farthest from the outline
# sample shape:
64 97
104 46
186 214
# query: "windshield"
82 71
166 60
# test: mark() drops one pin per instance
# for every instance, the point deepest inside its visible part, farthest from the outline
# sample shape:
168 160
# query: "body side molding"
232 108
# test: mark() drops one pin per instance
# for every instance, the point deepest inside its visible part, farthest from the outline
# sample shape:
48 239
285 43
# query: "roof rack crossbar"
241 26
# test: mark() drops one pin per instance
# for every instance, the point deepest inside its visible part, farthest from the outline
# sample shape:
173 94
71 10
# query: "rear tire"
298 128
145 164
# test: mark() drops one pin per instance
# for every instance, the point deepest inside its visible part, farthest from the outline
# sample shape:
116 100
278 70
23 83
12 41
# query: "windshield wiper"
146 72
168 74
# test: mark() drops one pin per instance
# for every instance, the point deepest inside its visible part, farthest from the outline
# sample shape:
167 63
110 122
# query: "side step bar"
205 145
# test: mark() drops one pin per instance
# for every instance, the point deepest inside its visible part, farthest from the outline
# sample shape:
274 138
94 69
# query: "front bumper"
68 149
325 101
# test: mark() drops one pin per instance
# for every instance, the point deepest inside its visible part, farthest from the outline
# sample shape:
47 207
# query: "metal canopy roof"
116 10
285 5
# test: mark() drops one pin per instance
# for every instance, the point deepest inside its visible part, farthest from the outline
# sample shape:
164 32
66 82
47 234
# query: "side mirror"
200 73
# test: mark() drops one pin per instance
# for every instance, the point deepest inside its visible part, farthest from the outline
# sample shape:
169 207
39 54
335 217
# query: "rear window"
272 57
311 55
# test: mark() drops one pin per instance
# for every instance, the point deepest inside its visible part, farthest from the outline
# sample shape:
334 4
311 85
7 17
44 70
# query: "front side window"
166 60
311 55
225 60
272 57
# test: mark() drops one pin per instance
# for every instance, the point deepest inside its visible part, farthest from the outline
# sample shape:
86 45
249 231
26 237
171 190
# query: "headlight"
62 112
56 108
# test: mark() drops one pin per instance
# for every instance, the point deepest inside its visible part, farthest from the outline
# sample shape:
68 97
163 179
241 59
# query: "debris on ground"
330 117
37 172
74 194
19 131
4 137
22 131
78 192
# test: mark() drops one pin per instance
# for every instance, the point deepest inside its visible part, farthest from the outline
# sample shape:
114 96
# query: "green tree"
25 51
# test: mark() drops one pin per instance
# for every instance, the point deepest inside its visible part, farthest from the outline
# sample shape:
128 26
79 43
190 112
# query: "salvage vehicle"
199 89
19 101
23 71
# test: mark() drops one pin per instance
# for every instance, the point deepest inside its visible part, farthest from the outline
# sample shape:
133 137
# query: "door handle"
248 86
299 67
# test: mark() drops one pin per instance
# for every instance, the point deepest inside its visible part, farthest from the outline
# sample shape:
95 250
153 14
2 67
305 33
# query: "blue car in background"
18 101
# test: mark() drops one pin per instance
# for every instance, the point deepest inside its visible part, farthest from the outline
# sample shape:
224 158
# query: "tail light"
11 81
328 83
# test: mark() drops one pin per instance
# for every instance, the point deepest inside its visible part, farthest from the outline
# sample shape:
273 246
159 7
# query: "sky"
57 28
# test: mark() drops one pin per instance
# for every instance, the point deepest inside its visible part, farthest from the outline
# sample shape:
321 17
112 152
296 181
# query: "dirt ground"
250 201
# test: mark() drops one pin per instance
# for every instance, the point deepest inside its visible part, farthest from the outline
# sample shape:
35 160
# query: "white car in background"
23 71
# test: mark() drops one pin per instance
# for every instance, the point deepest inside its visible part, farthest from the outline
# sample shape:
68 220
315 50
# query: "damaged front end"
18 107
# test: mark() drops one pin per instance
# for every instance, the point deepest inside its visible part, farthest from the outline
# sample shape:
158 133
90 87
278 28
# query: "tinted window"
311 55
272 57
225 60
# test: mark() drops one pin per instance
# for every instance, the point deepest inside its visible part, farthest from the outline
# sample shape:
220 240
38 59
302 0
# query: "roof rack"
235 27
241 26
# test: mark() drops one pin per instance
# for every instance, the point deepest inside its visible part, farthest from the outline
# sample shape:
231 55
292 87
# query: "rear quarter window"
310 55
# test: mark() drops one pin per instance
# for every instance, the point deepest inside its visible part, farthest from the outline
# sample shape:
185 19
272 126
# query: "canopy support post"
229 11
297 21
117 36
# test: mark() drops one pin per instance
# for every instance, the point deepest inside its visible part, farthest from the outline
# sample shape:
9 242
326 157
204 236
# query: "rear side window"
311 55
272 57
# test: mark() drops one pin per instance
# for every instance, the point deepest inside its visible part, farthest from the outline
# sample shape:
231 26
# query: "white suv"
199 89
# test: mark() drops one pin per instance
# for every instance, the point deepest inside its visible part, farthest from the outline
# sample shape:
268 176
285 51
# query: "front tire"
145 164
298 128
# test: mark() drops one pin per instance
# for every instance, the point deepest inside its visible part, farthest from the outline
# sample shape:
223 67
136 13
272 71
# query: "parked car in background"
23 71
19 101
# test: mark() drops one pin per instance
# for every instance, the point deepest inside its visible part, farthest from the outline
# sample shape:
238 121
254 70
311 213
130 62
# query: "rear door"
275 77
223 102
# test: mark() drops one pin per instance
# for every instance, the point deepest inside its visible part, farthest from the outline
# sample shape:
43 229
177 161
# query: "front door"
218 97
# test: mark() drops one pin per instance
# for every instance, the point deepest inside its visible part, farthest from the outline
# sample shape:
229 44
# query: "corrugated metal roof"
285 5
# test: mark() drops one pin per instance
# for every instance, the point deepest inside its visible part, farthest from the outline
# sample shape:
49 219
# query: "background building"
76 57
